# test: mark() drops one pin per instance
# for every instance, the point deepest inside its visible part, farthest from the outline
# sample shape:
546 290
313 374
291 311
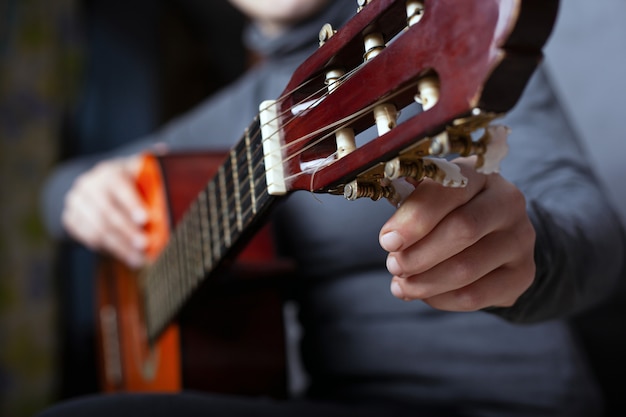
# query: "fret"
205 228
173 274
182 256
241 157
246 203
228 203
165 290
157 291
149 290
178 262
237 192
244 184
214 220
250 171
224 206
161 296
161 275
191 251
195 241
260 185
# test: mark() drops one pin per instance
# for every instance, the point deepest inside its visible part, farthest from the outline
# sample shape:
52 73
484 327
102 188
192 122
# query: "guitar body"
228 338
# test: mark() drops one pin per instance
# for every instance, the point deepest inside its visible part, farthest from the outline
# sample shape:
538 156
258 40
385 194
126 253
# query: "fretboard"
228 207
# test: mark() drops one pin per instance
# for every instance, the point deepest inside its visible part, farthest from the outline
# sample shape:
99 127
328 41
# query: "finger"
467 267
116 181
126 194
124 250
101 226
425 208
491 209
500 288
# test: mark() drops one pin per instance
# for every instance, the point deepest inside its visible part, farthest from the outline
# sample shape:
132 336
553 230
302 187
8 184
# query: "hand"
461 249
104 211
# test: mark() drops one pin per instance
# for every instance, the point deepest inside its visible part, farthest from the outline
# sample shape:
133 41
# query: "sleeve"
214 124
580 242
62 178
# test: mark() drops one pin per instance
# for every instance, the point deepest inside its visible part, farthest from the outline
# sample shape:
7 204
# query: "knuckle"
466 227
527 233
417 290
468 299
463 269
516 197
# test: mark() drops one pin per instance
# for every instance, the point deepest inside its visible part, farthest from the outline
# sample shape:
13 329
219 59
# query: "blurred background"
79 77
40 59
82 76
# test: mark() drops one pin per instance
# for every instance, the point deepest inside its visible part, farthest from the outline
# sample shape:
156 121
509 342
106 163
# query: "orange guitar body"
229 339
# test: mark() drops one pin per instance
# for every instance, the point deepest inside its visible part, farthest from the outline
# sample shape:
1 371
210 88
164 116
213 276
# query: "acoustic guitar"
460 63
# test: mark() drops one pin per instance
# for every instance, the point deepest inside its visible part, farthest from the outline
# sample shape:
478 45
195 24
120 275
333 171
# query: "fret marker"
270 131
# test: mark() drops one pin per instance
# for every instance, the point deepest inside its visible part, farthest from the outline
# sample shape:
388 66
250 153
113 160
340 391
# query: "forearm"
580 243
579 258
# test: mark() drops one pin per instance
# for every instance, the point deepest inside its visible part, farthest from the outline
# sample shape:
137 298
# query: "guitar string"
156 293
255 137
264 191
338 125
258 178
161 295
194 280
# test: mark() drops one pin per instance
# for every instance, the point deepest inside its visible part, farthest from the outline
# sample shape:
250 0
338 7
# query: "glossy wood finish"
127 361
482 51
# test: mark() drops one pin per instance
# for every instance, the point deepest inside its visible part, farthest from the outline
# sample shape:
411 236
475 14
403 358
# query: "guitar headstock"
463 62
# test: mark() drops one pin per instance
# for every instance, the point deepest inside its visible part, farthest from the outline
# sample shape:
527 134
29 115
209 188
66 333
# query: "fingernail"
392 266
391 241
139 216
140 242
135 261
396 290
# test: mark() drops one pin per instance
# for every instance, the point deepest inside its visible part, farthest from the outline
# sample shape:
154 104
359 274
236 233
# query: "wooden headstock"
466 61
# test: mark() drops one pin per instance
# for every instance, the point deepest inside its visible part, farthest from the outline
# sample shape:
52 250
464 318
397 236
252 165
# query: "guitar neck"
217 222
465 62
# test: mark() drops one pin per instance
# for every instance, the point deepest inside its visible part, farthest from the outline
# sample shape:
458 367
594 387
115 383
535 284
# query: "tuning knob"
497 149
448 173
326 32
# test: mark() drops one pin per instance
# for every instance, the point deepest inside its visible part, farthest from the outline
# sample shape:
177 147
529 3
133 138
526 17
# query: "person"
490 271
593 105
135 57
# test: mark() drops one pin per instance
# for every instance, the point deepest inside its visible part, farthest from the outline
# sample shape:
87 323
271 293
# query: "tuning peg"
414 11
374 189
401 190
447 173
326 32
361 4
496 149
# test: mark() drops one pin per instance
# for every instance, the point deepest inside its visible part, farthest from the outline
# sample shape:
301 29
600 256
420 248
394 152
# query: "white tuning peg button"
449 174
497 148
402 189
